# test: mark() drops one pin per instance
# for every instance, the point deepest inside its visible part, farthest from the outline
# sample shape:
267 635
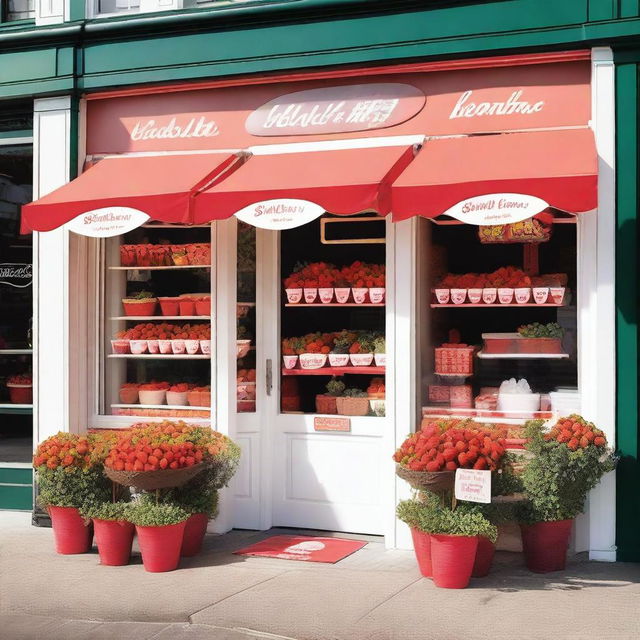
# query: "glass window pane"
246 313
20 10
118 6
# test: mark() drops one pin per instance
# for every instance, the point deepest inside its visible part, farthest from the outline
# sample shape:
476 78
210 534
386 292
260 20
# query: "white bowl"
338 359
290 361
294 295
177 398
326 294
138 346
526 402
193 346
376 294
361 359
312 360
149 396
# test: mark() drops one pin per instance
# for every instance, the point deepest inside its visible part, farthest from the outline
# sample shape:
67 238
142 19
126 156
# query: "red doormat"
307 549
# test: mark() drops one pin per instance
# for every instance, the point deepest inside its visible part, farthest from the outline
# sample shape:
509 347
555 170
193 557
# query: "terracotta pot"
353 406
484 557
70 532
187 307
169 306
422 548
129 395
160 546
203 307
20 393
177 398
194 532
193 397
452 559
114 539
545 545
135 308
326 404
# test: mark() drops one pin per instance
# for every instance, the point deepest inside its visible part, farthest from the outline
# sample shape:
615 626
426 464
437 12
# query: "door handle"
269 376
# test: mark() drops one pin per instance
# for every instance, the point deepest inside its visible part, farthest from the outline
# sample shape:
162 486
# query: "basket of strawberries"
428 458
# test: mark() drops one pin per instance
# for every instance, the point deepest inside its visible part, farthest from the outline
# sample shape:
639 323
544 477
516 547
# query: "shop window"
16 309
13 10
118 6
246 323
333 318
157 342
497 330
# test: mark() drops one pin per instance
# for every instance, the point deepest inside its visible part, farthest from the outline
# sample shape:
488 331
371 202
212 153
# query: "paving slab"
587 600
307 606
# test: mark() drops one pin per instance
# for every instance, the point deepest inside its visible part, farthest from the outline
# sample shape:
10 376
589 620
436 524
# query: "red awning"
344 181
160 186
560 167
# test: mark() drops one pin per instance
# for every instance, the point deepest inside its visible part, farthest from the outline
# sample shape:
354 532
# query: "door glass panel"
246 317
333 317
16 291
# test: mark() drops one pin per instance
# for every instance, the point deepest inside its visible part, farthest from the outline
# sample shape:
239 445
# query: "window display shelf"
166 267
159 318
485 415
15 352
151 356
11 408
497 305
187 407
522 356
335 304
334 371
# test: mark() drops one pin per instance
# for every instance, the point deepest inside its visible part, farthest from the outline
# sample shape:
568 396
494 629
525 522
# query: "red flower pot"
114 539
139 308
170 306
203 307
545 545
160 546
452 559
70 532
422 548
194 532
187 307
484 558
20 394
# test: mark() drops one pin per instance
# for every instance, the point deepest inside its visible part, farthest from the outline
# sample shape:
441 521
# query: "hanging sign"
473 485
282 213
107 222
356 107
496 208
16 274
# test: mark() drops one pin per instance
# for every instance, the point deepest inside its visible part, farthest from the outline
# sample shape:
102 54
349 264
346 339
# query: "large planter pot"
452 559
484 557
114 539
70 532
545 545
194 532
422 548
160 546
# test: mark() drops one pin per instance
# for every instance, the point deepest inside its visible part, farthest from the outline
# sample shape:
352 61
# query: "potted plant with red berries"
69 475
569 461
113 530
142 303
446 539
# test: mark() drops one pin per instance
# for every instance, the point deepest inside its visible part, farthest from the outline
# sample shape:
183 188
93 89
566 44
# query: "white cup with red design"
342 294
475 295
310 294
294 295
540 294
523 295
458 296
359 294
443 296
505 295
326 294
489 295
376 295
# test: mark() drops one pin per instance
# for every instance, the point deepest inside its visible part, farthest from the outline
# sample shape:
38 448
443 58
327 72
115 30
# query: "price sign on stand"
473 485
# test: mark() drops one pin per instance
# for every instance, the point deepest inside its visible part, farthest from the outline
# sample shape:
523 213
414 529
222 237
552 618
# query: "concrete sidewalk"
374 594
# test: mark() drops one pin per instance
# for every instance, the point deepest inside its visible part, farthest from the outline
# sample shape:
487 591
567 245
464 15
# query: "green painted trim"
77 10
36 88
19 133
628 200
74 137
16 497
10 475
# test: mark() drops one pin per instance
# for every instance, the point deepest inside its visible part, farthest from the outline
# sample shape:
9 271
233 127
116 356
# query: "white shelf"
174 266
159 318
522 356
159 406
15 352
158 356
11 405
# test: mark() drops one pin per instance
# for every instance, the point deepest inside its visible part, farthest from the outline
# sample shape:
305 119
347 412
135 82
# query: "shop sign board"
496 208
15 274
107 222
331 424
281 213
356 107
473 485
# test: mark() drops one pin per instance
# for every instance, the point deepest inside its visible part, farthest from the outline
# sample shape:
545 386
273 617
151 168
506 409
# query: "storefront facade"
64 398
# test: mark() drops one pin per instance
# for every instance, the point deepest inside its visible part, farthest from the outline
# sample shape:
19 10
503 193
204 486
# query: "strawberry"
599 441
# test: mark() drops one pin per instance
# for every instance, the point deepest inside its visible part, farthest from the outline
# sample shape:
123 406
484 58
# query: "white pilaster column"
51 169
596 310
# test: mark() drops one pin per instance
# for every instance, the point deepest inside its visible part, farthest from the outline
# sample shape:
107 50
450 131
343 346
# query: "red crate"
454 360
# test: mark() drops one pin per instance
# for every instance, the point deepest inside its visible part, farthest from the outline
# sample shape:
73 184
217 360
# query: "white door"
329 480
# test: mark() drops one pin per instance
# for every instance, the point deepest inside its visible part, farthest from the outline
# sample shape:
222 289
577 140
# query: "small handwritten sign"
107 222
331 424
473 485
283 213
496 208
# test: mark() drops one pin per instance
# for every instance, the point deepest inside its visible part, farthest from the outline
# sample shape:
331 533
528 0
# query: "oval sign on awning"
107 222
283 213
496 208
356 107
